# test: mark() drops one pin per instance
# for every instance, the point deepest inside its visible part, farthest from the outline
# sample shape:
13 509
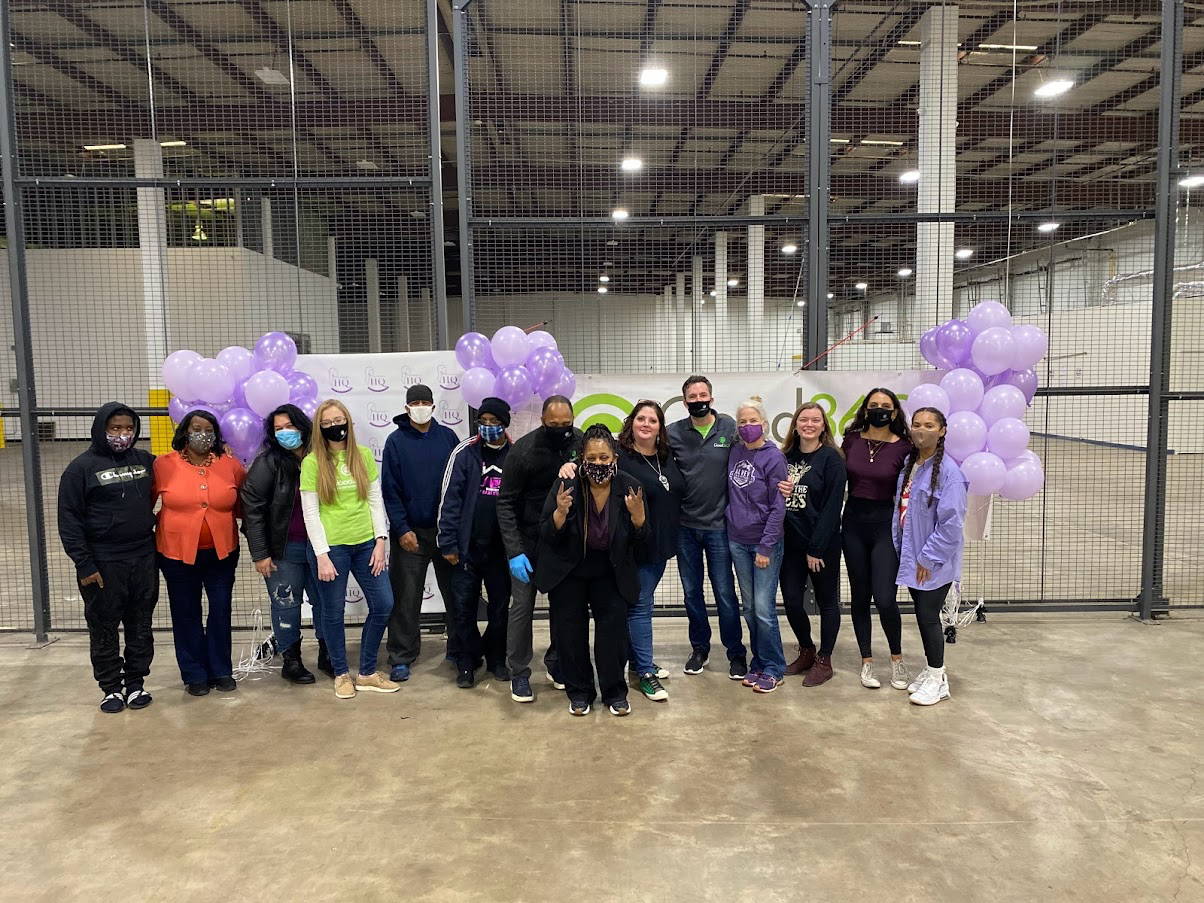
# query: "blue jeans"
692 543
287 586
759 594
333 595
639 618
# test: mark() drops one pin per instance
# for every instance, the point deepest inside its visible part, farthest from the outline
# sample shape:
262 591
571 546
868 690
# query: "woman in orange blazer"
197 541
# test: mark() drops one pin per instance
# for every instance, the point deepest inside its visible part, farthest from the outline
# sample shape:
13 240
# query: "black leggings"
873 565
825 583
929 603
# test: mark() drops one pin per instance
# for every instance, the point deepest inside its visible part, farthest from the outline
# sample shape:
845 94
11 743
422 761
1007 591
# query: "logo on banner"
448 379
354 593
426 592
451 417
377 417
374 381
378 448
602 408
339 383
406 378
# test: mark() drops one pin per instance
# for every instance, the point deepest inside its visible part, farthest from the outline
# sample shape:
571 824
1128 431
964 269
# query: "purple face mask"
120 442
751 432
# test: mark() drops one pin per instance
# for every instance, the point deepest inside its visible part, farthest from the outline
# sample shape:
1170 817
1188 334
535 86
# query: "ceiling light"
631 164
910 177
612 243
1192 181
830 296
173 144
653 77
1007 47
800 304
366 164
909 43
619 214
838 140
604 278
93 147
712 293
964 253
270 76
874 142
904 273
1050 226
602 289
417 214
861 286
1054 88
789 249
732 283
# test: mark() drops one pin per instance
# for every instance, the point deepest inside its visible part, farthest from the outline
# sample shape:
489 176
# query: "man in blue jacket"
471 541
415 457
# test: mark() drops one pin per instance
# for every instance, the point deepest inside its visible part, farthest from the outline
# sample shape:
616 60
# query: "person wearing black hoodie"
415 457
107 526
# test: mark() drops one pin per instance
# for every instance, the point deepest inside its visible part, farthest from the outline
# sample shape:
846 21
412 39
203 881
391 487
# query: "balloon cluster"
513 366
989 383
240 388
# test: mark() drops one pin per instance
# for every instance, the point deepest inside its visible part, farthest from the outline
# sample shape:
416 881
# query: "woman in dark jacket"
591 542
275 530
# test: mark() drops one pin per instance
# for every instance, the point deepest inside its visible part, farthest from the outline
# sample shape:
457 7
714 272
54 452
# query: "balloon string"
836 345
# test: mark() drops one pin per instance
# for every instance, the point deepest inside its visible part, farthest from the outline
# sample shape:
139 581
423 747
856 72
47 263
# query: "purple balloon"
473 350
301 386
1000 402
209 381
1024 480
265 391
241 427
932 353
566 385
987 315
1025 381
176 369
476 385
1027 455
275 351
964 388
510 346
926 395
953 340
178 407
309 407
513 386
985 472
992 350
965 434
1007 438
541 339
1029 346
207 408
238 360
545 366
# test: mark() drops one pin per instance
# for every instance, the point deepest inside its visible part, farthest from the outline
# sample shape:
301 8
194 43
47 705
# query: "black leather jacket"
268 494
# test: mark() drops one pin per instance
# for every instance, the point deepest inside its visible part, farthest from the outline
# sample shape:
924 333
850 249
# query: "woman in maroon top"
875 446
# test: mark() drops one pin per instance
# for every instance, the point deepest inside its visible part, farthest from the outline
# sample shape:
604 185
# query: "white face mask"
421 413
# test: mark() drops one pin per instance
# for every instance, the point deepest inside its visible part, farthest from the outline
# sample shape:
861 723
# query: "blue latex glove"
520 568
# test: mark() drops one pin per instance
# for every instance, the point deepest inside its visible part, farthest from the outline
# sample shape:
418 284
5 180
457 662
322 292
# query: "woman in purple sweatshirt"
930 508
756 513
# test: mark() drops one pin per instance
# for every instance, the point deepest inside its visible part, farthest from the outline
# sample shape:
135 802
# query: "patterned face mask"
120 442
599 473
491 432
200 442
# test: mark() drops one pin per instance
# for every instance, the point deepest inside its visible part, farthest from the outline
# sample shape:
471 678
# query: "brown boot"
820 672
806 658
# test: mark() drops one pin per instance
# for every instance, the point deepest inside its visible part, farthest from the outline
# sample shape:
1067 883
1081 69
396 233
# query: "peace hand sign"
635 505
564 498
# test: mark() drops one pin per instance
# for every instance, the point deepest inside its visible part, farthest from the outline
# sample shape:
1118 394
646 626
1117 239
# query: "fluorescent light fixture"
653 77
631 164
1054 88
270 76
875 142
713 293
830 296
602 289
909 43
104 147
800 304
1048 227
612 243
1007 47
1194 181
910 177
861 286
789 249
904 273
838 140
619 214
366 164
964 253
604 278
732 283
173 144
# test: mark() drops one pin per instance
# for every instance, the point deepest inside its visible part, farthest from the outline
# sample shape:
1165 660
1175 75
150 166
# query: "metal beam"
819 162
460 39
434 137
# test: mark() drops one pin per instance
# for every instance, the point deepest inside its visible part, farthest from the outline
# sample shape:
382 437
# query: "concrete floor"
1066 767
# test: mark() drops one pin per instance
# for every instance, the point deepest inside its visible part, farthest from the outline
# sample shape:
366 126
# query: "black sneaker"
578 707
620 708
737 669
696 662
112 703
197 689
138 698
226 684
500 673
466 678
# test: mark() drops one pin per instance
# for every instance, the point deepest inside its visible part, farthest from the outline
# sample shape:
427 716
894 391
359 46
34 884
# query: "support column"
755 281
332 271
697 346
682 324
402 325
424 301
265 225
460 37
434 126
372 281
667 328
937 143
719 319
152 258
819 161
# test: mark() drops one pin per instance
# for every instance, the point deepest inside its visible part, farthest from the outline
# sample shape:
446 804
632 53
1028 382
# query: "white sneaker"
933 690
915 684
867 676
899 678
554 682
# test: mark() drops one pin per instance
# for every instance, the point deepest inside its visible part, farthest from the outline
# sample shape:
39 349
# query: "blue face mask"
490 432
290 439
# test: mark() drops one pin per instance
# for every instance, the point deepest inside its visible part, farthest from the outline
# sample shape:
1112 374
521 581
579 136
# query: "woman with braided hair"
930 508
592 539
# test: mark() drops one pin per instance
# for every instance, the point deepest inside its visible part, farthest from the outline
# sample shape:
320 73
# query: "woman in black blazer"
591 541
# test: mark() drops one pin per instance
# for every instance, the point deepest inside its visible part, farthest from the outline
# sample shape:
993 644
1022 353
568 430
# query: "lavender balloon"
176 369
265 391
510 346
178 407
985 472
1027 455
275 351
928 348
1025 381
953 340
241 427
209 381
476 385
473 350
1029 344
964 388
545 366
965 434
309 407
513 386
238 360
566 385
1024 480
926 395
992 350
541 339
301 386
207 408
987 315
1000 402
1007 438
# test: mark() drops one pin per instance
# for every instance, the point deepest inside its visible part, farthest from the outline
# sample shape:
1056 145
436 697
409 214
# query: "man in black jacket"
531 468
107 525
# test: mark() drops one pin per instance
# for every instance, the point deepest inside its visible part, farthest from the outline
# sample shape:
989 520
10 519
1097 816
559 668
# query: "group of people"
589 518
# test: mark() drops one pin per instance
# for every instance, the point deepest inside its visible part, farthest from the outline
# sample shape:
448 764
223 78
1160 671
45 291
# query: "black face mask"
698 409
879 417
558 436
336 433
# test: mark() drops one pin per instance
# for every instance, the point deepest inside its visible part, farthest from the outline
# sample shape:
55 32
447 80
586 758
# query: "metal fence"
749 182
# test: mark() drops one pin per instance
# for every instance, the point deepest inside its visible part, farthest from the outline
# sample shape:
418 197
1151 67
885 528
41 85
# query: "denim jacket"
931 535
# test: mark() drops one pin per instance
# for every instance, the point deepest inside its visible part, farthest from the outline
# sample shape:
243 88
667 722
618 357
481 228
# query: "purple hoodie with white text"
756 511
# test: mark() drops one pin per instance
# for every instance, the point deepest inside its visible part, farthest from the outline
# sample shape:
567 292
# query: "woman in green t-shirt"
345 520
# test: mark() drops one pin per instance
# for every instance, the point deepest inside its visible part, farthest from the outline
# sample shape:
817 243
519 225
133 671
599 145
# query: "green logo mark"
607 419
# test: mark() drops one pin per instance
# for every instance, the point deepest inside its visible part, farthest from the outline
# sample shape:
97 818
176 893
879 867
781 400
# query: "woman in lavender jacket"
930 508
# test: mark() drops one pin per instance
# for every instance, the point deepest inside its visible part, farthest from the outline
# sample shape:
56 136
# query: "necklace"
657 467
208 462
874 446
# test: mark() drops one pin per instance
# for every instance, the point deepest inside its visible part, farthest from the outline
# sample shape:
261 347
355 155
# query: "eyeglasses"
342 421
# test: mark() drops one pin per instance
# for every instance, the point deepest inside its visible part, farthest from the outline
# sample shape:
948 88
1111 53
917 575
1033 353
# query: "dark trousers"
127 599
202 649
873 564
929 603
407 575
493 571
826 585
572 602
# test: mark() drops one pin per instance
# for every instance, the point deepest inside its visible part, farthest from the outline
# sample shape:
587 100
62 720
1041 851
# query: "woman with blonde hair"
348 533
